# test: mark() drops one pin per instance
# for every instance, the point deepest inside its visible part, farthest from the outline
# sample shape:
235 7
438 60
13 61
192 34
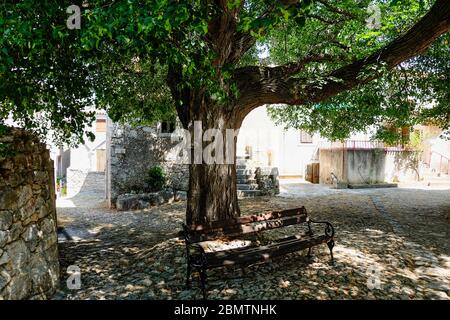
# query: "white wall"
288 154
84 156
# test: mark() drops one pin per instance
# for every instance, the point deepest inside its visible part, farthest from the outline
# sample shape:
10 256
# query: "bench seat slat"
263 253
247 229
247 249
250 246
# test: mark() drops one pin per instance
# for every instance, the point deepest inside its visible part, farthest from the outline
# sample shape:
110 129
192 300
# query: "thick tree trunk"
212 193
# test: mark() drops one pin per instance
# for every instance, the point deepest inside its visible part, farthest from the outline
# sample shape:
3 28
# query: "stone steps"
245 172
249 193
247 186
245 180
246 183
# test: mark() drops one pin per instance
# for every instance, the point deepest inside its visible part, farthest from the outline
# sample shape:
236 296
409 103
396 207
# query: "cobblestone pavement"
390 244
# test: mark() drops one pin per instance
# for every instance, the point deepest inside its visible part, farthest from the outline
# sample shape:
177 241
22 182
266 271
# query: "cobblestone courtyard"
390 244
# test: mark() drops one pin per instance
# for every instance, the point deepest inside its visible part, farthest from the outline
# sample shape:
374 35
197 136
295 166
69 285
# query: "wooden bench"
235 243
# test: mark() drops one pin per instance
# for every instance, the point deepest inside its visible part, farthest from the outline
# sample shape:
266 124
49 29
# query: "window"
305 137
100 125
167 127
248 152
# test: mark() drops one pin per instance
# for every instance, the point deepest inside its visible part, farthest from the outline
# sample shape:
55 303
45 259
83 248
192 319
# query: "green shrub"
155 179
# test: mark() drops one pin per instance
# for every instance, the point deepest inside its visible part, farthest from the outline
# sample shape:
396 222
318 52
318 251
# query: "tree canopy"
335 65
120 57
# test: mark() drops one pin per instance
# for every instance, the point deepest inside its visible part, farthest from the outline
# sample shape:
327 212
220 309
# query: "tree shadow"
373 261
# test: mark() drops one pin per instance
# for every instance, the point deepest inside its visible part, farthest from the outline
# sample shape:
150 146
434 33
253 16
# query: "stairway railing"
361 145
441 161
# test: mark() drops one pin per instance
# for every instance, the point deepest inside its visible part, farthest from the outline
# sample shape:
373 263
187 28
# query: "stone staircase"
432 176
254 180
246 182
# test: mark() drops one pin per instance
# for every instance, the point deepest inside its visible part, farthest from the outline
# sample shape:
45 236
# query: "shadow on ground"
390 244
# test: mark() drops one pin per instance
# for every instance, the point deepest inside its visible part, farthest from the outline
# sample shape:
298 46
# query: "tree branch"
337 10
258 86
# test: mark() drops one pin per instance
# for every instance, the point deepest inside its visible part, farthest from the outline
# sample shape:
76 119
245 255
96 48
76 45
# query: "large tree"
201 60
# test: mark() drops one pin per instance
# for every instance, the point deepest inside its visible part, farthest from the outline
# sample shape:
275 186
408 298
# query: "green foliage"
52 79
6 149
155 179
415 92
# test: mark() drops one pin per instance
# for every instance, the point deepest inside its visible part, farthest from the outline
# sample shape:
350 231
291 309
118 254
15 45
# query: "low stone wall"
267 180
29 266
140 201
365 166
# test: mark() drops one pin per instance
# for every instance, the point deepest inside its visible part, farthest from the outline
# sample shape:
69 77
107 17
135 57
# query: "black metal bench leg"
309 253
203 281
330 245
188 275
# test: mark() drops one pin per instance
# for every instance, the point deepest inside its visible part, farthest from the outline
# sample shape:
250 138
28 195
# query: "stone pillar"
29 267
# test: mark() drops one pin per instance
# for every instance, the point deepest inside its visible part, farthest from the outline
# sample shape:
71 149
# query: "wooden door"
101 160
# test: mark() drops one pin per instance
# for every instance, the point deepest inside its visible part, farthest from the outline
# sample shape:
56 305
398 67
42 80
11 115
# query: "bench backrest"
246 225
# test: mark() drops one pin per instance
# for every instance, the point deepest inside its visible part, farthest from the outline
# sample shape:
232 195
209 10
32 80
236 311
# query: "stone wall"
28 242
403 166
131 152
368 166
267 180
365 166
75 180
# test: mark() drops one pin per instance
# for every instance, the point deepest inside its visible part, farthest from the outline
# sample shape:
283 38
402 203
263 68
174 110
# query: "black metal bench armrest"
329 229
190 245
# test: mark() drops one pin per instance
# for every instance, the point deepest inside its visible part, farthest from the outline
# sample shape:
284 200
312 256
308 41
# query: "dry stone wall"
29 265
131 151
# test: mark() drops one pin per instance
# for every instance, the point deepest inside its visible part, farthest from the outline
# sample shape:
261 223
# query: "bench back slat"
248 225
249 219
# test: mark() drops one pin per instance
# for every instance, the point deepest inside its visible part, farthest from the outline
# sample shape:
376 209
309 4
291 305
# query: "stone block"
19 287
15 231
167 195
8 199
3 237
4 258
6 219
24 195
126 202
180 195
19 254
48 241
5 278
48 226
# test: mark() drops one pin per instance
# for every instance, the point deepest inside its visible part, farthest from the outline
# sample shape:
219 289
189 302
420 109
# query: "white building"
74 164
266 144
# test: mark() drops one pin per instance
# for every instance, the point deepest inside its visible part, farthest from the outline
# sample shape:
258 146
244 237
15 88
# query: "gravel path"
390 244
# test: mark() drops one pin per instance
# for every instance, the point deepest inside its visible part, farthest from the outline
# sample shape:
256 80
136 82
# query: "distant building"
73 164
125 154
